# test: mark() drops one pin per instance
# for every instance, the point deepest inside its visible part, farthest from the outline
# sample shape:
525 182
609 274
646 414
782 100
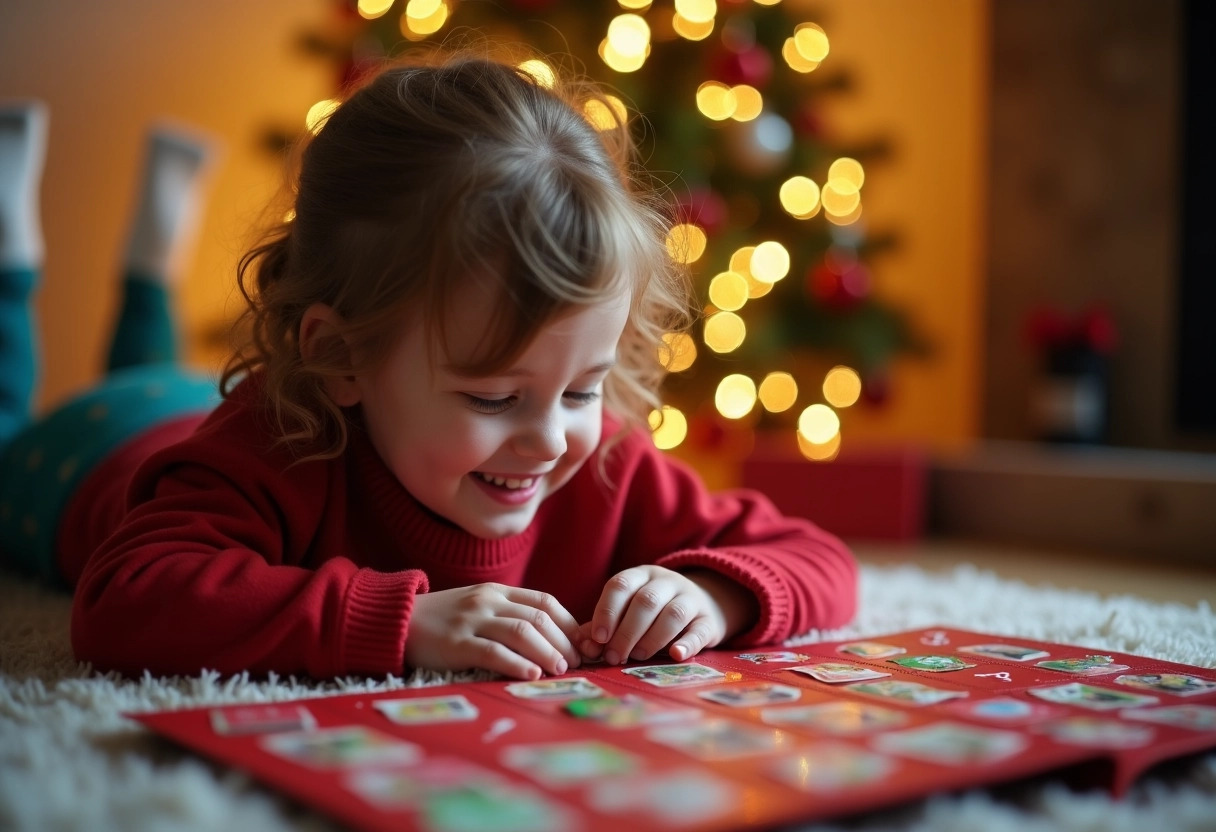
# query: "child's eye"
489 405
581 398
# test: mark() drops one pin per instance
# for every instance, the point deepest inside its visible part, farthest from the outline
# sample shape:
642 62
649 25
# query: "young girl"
432 451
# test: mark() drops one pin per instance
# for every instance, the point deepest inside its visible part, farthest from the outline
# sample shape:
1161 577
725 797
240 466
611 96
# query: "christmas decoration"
725 98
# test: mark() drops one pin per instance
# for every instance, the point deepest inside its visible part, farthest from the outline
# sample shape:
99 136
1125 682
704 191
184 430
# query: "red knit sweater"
225 555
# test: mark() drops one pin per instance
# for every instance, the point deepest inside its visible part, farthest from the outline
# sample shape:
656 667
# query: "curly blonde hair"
430 173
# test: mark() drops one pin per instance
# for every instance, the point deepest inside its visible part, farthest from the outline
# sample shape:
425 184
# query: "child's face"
485 452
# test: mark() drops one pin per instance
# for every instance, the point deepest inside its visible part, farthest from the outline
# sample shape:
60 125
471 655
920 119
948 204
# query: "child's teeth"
509 482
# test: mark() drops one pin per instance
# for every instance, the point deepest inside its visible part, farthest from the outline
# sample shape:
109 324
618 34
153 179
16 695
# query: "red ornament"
703 207
752 66
839 290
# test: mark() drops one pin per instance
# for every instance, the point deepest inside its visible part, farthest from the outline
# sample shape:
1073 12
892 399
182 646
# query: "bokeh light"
724 332
842 386
686 242
818 424
735 396
728 291
778 392
668 427
677 352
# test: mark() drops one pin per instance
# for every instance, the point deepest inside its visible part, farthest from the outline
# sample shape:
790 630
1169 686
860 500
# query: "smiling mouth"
509 483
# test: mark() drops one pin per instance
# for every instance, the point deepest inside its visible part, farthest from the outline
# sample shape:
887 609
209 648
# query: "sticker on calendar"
913 693
751 695
677 798
839 718
1095 665
424 710
1005 709
1008 652
1095 732
870 649
479 807
261 719
952 743
831 767
555 690
406 787
675 675
835 673
629 711
1175 684
718 739
774 657
1089 696
561 764
1194 717
932 664
342 747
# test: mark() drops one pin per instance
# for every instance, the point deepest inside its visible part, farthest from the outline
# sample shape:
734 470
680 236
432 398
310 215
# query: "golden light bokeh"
735 396
799 197
686 242
697 11
677 352
819 452
811 41
770 262
842 386
794 60
690 30
317 114
618 62
417 28
840 197
728 291
749 103
371 9
422 9
716 101
778 392
607 114
818 424
634 5
849 170
847 219
668 427
724 332
540 71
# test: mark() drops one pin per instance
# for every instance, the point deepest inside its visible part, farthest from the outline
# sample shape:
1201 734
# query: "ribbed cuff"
753 573
378 607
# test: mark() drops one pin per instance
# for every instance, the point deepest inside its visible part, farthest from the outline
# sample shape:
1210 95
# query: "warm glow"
417 28
697 11
716 100
748 102
668 427
849 170
778 392
848 219
799 197
842 386
770 262
319 112
634 5
741 263
811 41
735 396
689 30
767 2
540 71
629 35
606 114
840 197
422 9
677 352
686 242
789 51
618 62
818 424
819 452
724 332
728 291
371 9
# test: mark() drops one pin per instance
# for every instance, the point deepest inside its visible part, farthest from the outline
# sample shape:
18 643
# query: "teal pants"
44 459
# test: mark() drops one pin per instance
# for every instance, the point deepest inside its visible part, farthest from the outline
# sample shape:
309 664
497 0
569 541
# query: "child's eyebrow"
520 372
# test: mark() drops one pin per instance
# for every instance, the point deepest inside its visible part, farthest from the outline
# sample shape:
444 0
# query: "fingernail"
612 657
601 634
560 668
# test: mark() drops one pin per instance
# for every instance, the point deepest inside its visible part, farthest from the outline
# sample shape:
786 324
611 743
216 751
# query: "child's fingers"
671 621
648 611
492 655
522 637
549 617
692 641
614 600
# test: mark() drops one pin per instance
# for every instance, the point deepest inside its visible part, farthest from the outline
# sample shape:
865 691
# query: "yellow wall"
228 67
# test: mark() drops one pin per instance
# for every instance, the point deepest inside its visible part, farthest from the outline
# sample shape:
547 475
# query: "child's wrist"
738 605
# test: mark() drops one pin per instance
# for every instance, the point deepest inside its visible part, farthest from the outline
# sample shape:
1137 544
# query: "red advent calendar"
728 740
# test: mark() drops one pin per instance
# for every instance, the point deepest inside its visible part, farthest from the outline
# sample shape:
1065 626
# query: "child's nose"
542 439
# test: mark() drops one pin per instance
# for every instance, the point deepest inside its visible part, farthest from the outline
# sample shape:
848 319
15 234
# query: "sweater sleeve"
803 577
216 565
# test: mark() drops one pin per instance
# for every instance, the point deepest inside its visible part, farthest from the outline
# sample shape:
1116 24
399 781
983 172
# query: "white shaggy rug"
70 761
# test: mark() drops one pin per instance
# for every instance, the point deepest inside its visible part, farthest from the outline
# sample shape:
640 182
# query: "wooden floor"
1107 575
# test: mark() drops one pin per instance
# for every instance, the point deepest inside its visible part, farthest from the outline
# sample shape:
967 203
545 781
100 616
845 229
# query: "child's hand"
646 608
516 632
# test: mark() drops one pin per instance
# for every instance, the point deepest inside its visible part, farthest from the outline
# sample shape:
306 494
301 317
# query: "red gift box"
864 493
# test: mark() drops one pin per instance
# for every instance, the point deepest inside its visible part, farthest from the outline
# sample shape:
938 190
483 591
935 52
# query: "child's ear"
320 332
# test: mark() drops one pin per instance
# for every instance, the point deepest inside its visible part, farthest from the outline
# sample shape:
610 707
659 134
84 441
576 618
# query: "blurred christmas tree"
725 101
